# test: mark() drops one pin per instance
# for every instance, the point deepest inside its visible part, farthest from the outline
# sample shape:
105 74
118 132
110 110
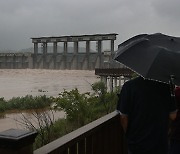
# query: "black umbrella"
155 56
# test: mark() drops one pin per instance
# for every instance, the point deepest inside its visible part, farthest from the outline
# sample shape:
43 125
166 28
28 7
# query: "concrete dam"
75 60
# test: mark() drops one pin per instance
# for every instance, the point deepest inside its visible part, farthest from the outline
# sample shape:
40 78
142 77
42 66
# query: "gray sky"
22 19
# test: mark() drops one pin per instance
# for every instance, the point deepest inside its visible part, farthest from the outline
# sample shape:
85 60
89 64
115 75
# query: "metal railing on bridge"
114 72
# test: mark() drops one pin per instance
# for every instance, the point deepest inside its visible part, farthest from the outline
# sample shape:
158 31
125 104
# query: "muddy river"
21 82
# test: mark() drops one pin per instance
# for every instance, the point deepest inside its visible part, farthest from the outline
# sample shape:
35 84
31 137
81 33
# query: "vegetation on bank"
25 103
80 109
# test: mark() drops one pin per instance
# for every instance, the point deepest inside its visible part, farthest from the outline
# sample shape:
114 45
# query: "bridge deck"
114 72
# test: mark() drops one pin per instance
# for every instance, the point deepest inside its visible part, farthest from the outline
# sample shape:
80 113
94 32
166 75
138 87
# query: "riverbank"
12 119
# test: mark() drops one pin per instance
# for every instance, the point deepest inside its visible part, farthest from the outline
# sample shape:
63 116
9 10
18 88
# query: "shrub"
77 107
27 102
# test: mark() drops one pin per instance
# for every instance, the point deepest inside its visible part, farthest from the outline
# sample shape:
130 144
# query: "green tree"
106 99
77 106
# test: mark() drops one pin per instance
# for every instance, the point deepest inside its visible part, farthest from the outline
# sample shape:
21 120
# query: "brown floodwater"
16 120
21 82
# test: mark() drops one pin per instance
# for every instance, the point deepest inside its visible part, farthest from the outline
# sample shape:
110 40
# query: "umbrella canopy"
155 56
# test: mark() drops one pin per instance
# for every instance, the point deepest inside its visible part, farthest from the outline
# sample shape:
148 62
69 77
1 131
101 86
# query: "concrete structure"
44 59
114 77
15 60
75 60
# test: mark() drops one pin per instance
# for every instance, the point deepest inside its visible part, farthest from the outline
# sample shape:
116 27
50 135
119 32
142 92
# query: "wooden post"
15 141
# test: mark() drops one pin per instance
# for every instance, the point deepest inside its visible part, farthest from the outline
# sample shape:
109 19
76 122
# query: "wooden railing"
103 136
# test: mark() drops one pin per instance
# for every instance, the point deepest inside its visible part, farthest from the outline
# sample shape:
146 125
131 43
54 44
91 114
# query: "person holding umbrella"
146 103
145 107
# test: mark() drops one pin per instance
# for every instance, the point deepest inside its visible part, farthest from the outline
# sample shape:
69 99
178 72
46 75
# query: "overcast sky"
22 19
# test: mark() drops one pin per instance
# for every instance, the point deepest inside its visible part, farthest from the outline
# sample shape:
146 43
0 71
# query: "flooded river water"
16 120
14 83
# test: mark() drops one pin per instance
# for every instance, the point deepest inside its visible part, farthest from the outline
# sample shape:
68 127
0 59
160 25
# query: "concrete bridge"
42 58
